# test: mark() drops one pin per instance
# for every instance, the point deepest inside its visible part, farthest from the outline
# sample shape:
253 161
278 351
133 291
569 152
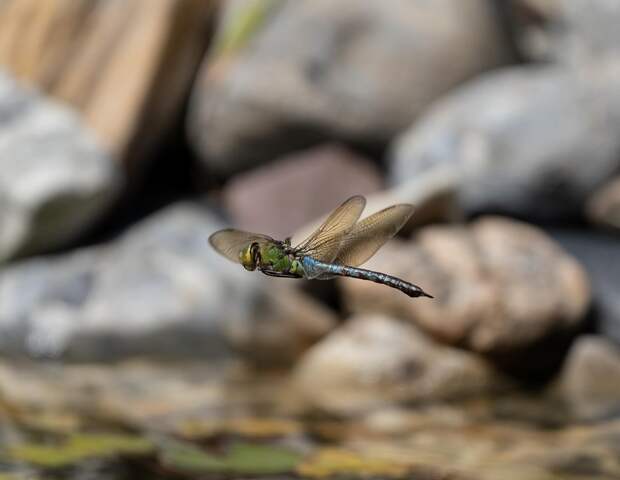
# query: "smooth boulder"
566 31
589 382
159 290
599 253
288 74
375 360
500 286
529 141
56 180
603 207
125 66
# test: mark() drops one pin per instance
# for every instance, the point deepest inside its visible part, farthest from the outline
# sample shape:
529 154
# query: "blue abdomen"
315 269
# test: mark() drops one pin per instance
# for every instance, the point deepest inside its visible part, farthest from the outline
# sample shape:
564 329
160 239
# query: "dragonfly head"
250 256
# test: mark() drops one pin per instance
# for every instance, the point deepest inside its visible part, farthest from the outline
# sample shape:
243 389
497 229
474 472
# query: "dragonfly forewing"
371 233
325 242
230 242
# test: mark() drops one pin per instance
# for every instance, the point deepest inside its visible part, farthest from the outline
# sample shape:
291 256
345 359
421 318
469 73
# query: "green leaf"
261 459
332 462
241 28
241 458
80 447
190 458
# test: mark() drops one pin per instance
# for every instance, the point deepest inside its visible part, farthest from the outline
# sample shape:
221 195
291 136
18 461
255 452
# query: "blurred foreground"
130 131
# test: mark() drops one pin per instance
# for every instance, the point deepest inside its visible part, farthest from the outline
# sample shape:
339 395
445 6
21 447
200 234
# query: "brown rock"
590 379
279 198
604 206
374 360
353 70
117 62
499 285
172 396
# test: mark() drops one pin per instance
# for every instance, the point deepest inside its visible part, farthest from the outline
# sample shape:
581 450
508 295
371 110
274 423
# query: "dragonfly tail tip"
424 294
418 292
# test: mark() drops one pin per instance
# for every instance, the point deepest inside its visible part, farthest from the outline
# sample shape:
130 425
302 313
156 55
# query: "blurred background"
131 130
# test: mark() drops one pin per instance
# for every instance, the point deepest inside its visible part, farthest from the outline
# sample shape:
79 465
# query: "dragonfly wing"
324 243
371 233
230 242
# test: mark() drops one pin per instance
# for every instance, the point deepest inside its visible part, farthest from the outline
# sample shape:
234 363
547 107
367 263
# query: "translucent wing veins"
371 233
230 242
325 242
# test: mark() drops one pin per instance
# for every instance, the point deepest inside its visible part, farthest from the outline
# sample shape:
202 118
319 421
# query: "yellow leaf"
331 462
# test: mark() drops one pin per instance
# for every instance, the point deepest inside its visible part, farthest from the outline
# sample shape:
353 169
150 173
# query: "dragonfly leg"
273 273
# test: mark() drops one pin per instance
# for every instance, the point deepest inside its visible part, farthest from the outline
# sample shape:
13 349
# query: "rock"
500 286
603 208
282 323
528 22
281 197
589 379
158 290
118 63
55 180
599 253
306 71
570 31
531 142
374 360
164 394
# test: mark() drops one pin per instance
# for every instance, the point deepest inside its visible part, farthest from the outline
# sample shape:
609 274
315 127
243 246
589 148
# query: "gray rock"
500 286
376 360
569 31
603 207
528 141
348 70
433 194
159 290
599 253
55 181
589 381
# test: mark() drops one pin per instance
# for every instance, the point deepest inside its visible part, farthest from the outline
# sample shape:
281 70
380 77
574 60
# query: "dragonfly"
338 247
